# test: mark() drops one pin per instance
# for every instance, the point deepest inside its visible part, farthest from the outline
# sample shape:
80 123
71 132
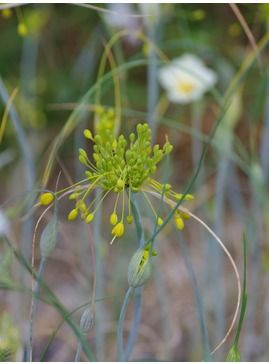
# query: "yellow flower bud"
160 221
46 198
187 197
83 215
120 184
87 134
179 222
6 13
184 215
89 218
129 219
74 196
83 153
81 206
118 230
82 159
22 29
114 144
72 214
167 187
113 218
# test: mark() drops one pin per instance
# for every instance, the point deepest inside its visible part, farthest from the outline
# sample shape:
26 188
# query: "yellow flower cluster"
121 168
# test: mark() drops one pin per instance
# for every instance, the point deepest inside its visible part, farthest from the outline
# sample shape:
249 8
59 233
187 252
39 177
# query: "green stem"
121 354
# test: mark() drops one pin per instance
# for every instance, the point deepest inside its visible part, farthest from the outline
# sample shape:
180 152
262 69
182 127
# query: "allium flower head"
186 79
119 166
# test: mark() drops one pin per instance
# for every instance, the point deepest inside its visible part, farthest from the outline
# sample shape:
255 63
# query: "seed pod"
48 237
87 320
139 269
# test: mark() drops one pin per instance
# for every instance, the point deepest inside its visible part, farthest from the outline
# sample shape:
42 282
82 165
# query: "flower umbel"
119 166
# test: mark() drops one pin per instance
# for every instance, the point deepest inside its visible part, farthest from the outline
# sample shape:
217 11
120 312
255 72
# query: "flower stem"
121 353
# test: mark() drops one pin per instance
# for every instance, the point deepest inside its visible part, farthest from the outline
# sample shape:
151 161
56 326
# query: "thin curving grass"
53 300
228 254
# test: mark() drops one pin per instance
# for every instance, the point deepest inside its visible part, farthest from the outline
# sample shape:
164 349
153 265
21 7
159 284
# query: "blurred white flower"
4 224
116 16
119 17
186 79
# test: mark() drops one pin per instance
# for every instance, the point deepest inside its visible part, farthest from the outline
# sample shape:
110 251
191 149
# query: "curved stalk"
228 254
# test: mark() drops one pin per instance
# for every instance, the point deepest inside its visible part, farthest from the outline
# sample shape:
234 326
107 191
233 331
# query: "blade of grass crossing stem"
61 323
